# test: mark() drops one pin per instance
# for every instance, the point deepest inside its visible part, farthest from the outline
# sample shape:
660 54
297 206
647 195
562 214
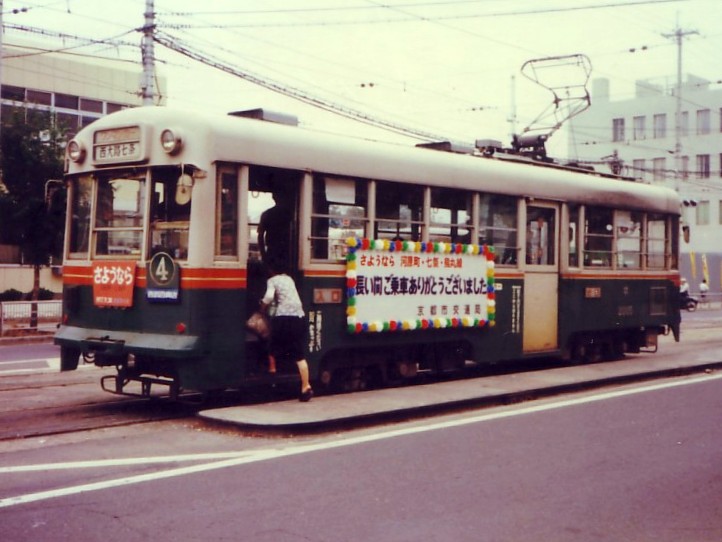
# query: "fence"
15 316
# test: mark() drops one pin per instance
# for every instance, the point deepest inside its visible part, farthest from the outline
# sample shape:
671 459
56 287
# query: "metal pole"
678 35
148 84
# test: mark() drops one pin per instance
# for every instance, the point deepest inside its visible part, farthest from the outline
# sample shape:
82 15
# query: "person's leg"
306 391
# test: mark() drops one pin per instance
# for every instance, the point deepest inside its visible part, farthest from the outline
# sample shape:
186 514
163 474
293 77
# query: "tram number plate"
120 152
593 292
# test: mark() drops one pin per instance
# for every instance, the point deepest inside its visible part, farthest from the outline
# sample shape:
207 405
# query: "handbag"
258 324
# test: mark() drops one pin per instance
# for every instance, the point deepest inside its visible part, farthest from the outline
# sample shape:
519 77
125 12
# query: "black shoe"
305 397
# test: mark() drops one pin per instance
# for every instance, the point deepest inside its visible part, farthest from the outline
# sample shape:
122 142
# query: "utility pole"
148 81
678 35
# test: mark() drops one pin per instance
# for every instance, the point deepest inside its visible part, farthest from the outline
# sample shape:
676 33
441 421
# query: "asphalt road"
639 462
642 464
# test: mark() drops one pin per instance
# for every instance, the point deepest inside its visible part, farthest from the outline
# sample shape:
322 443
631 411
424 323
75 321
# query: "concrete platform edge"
235 415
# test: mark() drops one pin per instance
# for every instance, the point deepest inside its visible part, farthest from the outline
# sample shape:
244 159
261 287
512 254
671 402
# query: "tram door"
541 279
272 212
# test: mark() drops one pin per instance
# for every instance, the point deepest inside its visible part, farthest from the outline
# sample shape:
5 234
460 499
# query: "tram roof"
218 138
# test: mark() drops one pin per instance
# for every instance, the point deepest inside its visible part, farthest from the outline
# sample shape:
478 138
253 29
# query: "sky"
443 69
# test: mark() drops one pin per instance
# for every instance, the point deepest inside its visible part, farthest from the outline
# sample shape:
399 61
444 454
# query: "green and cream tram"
407 259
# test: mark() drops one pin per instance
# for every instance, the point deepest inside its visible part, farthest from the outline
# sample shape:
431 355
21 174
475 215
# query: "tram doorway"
541 279
272 211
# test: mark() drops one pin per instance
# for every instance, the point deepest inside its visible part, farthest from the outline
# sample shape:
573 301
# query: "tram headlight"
76 151
171 141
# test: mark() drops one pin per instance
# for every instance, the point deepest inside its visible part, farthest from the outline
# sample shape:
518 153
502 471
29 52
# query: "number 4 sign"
163 279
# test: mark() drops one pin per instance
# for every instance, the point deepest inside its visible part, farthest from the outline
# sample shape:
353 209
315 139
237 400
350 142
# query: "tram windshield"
108 212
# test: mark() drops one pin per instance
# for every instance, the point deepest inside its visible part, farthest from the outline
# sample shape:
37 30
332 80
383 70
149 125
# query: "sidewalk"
376 405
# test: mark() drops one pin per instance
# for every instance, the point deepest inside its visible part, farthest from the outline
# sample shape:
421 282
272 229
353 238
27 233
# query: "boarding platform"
326 411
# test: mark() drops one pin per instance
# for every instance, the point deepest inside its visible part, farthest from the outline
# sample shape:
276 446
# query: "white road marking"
52 365
242 458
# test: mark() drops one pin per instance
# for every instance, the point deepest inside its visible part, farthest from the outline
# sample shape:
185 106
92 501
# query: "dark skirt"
288 338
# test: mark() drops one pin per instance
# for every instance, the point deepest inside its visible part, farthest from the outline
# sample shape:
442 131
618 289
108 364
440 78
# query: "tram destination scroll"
407 285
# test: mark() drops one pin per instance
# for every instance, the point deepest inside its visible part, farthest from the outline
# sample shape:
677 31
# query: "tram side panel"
601 318
332 344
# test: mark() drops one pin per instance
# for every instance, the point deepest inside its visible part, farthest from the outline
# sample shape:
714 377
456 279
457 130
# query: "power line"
408 17
286 90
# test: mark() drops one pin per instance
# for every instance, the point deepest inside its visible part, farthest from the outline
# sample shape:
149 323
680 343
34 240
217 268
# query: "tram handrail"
17 315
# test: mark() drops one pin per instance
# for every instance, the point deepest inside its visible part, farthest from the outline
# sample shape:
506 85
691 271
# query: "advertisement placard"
407 285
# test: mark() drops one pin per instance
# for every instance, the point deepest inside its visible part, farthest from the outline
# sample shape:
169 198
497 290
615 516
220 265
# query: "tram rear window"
170 211
119 208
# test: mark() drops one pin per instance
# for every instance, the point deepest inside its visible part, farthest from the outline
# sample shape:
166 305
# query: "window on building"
66 101
660 125
39 97
658 169
639 168
703 213
719 214
113 107
10 92
639 127
67 122
720 165
617 129
703 121
93 106
703 166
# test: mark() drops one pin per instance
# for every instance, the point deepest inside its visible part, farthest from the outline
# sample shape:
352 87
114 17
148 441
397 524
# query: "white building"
643 133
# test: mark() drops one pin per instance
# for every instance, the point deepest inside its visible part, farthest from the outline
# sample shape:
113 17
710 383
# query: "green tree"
32 153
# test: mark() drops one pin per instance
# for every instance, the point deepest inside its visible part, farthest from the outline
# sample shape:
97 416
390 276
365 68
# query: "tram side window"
673 242
656 241
339 212
498 227
170 212
227 214
450 216
574 235
399 211
598 237
82 193
119 216
628 226
540 236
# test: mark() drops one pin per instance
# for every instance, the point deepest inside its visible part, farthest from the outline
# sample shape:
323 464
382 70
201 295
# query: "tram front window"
170 212
119 206
81 194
